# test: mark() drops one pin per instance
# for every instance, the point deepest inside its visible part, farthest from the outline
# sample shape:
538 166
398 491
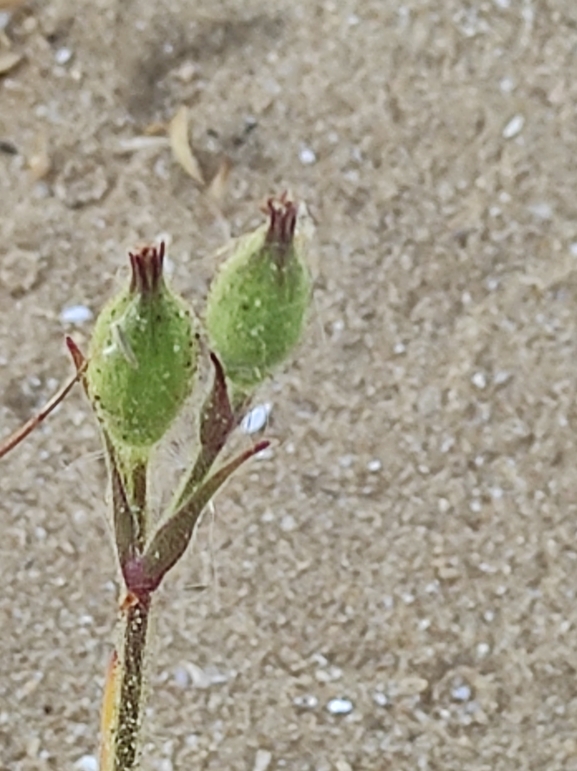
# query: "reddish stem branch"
21 433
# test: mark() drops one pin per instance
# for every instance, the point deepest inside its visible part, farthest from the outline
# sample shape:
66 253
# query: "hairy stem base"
128 715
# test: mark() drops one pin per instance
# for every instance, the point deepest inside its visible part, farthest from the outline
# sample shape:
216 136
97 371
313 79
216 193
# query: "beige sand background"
409 545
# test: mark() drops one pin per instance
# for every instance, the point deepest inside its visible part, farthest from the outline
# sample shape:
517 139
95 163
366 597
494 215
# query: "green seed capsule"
258 302
142 357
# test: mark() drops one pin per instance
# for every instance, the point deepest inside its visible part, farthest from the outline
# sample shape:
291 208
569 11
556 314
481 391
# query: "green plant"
139 373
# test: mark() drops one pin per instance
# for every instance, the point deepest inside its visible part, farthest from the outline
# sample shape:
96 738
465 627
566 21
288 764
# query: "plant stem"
128 477
21 433
138 490
217 422
128 715
196 476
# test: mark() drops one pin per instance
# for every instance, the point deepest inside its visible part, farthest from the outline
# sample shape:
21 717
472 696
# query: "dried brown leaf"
8 60
39 162
155 129
218 186
178 134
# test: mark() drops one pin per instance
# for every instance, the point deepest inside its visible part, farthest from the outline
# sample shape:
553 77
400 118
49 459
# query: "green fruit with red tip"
142 357
258 302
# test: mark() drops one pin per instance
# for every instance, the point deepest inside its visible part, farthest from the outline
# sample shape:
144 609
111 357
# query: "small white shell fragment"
262 760
541 210
374 465
256 419
461 693
492 283
63 56
479 380
181 677
380 699
134 144
307 701
324 676
307 156
501 377
200 679
514 127
76 314
340 706
86 763
483 649
288 523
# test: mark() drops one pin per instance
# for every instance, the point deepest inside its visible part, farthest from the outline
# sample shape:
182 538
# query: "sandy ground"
409 545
